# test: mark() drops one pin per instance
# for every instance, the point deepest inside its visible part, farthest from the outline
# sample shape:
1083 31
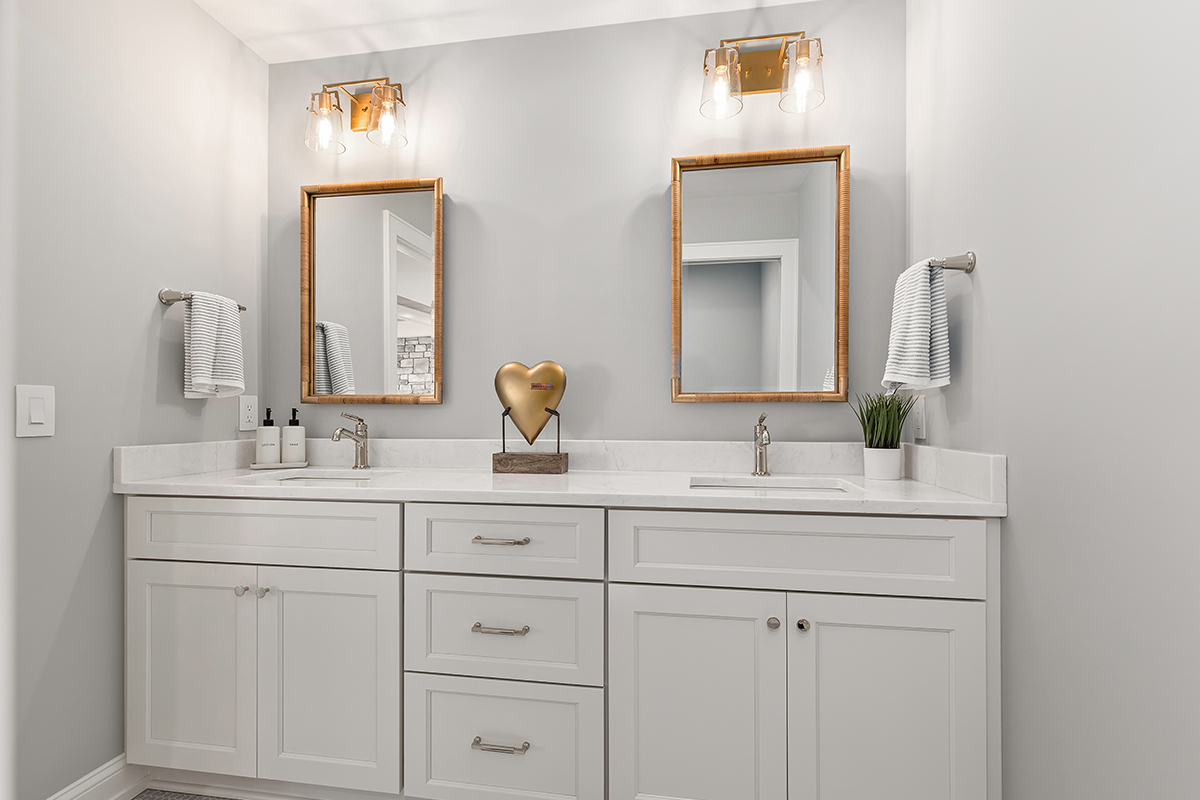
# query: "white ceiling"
299 30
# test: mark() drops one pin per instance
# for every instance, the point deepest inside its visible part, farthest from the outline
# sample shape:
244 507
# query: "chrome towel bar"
169 297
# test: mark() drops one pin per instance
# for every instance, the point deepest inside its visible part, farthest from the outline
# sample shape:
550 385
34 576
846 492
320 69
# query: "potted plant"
882 419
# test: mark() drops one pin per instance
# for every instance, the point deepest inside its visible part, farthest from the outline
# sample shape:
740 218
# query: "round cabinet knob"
240 590
802 625
773 623
261 592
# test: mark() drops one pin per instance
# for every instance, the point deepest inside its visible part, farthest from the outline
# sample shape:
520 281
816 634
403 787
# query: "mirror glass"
758 282
376 284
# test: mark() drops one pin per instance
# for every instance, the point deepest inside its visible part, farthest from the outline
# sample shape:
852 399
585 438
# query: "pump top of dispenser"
268 422
295 420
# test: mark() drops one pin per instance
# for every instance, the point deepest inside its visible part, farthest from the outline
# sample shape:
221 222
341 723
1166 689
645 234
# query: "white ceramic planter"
882 463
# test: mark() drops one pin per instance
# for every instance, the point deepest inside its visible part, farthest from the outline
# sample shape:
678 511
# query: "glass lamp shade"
803 86
385 123
324 131
722 94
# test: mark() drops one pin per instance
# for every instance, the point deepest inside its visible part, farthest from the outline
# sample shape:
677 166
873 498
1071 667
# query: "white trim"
239 788
116 780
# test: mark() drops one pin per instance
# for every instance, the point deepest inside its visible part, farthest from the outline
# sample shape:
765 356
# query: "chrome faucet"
359 435
762 438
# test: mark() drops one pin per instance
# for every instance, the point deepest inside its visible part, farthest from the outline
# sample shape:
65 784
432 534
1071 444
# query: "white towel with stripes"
919 345
331 359
212 348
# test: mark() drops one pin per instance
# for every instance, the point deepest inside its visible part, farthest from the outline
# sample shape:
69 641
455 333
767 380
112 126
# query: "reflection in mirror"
374 308
759 296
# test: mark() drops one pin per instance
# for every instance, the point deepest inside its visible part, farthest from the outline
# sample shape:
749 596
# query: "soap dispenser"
293 441
266 442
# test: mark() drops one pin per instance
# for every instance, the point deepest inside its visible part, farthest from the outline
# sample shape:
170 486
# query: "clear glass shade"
324 131
803 86
722 94
385 124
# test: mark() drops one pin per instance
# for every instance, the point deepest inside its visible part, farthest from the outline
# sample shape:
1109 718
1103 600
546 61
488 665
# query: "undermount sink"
786 483
328 477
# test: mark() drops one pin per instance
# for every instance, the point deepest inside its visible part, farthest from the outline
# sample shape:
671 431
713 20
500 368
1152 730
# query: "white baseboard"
237 788
116 780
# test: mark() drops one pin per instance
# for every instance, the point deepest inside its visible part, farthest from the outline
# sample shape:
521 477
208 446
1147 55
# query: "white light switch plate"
35 410
247 412
918 418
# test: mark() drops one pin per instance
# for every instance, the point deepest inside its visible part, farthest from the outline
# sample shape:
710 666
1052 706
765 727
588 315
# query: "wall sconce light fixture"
379 112
754 65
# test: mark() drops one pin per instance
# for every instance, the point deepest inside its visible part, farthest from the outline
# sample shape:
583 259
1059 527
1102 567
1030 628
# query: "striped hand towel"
321 382
919 345
333 340
212 348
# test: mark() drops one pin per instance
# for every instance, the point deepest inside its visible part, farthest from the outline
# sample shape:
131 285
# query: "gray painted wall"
148 171
9 73
557 213
1074 351
724 328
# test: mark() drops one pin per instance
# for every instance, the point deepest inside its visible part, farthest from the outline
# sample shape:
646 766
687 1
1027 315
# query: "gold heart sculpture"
528 392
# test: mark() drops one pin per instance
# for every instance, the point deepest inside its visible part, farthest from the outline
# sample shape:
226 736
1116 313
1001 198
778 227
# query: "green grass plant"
882 418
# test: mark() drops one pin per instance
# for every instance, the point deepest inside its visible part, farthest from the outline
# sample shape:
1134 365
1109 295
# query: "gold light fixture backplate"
762 69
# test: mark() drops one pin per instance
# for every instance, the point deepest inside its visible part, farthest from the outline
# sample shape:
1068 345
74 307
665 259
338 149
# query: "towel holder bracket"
169 297
965 262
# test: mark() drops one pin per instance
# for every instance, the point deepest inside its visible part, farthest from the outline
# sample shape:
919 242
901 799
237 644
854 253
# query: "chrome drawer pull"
479 744
501 542
479 628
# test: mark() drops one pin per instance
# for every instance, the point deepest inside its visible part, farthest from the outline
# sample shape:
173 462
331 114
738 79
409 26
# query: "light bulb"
324 132
721 91
387 124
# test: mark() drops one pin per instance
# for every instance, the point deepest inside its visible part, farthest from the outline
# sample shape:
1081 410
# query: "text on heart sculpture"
528 392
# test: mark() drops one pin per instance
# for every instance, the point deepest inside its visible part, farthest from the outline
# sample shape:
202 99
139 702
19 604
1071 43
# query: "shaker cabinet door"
190 666
697 693
329 678
886 698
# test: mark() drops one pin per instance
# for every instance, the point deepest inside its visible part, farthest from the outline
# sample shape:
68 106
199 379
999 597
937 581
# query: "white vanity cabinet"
504 665
777 693
262 670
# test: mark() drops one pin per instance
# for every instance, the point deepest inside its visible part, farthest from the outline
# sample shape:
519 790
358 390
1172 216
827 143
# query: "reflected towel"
331 348
321 382
919 345
212 347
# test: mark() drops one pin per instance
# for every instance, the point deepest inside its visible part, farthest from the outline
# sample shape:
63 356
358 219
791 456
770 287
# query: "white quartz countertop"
607 488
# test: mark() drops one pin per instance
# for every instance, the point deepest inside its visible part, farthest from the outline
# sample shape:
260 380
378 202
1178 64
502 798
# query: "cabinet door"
887 698
190 661
329 678
697 694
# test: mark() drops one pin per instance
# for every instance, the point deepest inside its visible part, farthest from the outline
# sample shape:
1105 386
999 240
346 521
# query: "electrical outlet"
247 412
918 418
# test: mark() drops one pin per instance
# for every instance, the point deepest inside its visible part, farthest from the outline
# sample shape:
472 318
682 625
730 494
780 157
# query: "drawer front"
301 533
463 739
801 552
539 630
537 541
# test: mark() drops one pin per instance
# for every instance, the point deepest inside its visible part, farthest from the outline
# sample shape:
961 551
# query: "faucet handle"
351 416
763 418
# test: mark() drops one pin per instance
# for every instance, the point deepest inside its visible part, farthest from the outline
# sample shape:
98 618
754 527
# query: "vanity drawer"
446 715
301 533
476 626
917 557
538 541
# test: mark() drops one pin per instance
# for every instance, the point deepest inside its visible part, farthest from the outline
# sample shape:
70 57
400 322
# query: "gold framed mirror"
371 292
760 276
